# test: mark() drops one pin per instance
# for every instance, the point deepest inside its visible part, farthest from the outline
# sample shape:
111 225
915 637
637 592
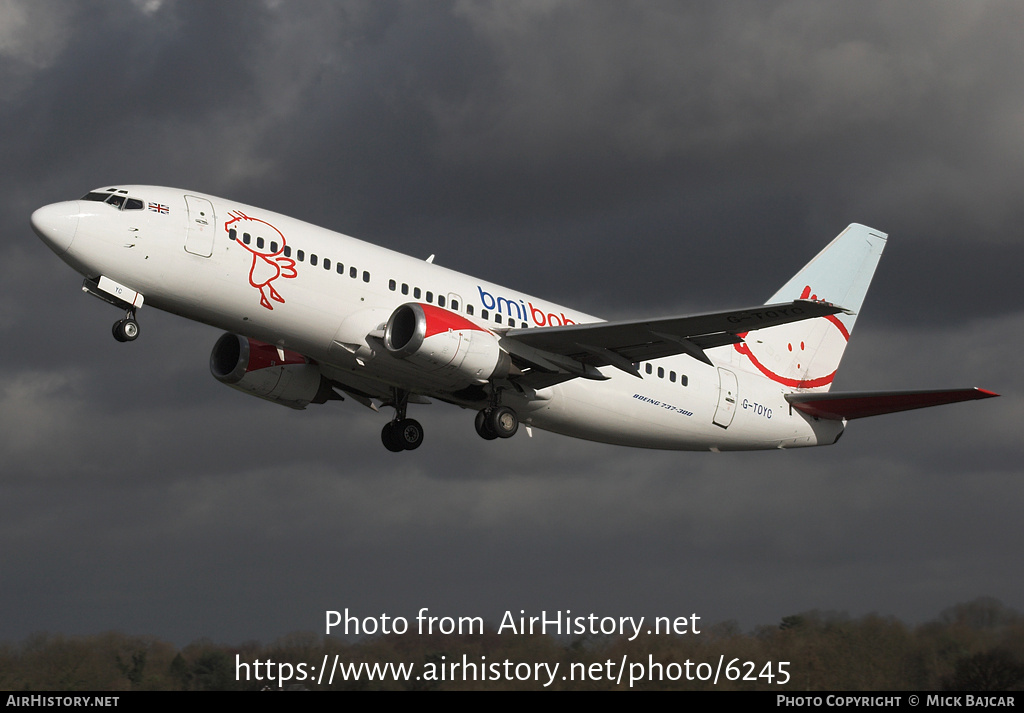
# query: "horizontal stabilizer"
860 404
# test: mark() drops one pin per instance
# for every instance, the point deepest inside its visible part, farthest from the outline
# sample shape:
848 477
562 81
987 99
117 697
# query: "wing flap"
854 404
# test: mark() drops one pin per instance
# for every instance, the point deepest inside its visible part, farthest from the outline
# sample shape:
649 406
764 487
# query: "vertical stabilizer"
806 355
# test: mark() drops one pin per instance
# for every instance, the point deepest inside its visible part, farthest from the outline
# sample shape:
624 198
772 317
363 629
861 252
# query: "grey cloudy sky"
629 159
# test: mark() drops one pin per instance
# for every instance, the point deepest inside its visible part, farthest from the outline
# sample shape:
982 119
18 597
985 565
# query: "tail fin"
806 355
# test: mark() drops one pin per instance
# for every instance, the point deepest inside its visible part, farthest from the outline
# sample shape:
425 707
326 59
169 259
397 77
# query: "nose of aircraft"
57 224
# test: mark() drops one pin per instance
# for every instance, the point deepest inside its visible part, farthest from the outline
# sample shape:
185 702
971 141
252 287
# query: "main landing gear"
406 434
127 329
402 434
496 422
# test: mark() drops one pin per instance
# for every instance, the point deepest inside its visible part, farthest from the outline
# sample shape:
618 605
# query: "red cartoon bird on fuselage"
268 263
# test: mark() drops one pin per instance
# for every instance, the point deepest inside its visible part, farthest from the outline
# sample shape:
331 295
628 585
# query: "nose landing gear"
127 329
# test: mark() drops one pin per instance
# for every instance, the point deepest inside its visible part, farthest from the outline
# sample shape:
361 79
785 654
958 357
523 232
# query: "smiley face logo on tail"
800 355
267 244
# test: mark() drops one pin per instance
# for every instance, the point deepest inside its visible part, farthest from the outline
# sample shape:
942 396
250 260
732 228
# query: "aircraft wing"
580 348
860 404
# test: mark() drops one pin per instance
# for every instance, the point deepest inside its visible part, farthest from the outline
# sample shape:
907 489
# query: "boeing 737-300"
312 315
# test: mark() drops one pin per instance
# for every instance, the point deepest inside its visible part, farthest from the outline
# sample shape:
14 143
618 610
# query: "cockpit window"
118 199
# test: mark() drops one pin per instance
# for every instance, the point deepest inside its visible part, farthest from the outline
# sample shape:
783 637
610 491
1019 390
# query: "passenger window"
455 305
469 310
392 285
661 372
484 314
300 255
683 380
287 250
352 272
312 259
273 246
366 276
430 296
259 243
327 264
341 269
649 369
246 238
232 234
497 317
672 376
440 300
405 288
416 293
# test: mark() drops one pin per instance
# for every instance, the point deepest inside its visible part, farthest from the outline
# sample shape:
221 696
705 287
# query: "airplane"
311 316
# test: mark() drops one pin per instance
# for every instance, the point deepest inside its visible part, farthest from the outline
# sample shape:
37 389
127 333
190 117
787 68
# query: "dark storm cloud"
625 159
549 127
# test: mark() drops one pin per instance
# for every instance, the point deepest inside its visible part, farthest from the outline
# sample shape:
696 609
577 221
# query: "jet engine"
260 369
450 348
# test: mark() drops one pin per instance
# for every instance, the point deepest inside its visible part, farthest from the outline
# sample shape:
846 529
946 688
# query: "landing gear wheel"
126 330
503 422
404 435
482 429
389 438
130 329
410 434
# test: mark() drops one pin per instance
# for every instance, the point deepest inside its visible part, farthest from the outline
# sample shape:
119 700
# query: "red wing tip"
988 394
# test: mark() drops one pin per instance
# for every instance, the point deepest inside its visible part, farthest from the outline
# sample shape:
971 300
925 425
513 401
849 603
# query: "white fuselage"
328 291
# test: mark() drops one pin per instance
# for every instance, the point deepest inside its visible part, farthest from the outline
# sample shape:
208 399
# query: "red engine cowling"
451 349
257 368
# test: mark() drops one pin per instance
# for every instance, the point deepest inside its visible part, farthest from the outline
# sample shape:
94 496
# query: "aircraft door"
728 393
202 226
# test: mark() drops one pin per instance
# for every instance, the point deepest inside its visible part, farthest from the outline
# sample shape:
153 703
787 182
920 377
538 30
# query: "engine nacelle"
451 349
257 368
